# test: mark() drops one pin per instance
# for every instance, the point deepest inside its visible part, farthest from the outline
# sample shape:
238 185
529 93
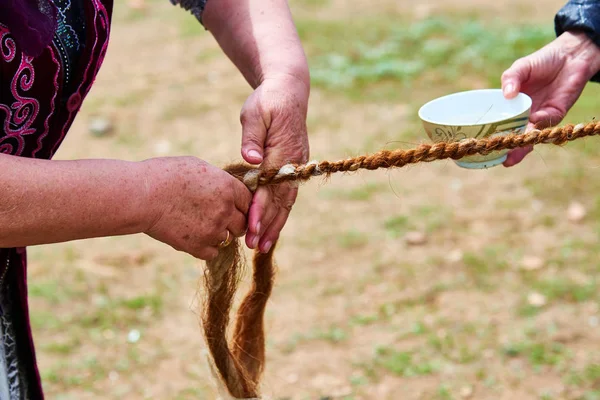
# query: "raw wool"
238 363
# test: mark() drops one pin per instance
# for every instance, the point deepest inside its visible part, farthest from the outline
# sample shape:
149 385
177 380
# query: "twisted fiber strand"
237 362
221 281
422 153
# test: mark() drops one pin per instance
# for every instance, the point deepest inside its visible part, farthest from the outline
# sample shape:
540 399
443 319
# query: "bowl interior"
474 107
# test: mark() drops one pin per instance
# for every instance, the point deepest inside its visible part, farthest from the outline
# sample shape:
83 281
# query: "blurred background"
427 282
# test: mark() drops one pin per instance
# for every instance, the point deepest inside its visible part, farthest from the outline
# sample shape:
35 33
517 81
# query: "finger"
516 156
237 225
274 229
242 196
260 216
513 78
254 131
546 117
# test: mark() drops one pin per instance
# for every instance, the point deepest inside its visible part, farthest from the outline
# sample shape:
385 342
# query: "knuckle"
288 205
250 138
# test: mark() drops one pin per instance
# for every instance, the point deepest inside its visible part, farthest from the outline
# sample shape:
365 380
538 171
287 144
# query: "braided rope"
422 153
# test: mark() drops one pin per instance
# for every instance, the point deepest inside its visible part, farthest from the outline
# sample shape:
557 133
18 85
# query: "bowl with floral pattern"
482 113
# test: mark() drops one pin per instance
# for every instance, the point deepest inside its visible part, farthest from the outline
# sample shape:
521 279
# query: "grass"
538 354
352 239
407 55
398 225
404 363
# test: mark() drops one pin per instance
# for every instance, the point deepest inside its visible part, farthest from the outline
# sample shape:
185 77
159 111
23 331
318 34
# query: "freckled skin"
208 203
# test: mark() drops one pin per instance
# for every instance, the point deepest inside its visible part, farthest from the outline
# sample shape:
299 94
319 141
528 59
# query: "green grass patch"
352 239
566 290
354 57
404 363
398 225
537 353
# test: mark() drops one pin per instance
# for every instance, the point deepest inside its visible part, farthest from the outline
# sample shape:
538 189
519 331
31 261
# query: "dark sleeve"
196 7
582 15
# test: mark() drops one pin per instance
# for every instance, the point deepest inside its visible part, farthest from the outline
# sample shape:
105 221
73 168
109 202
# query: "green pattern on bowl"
454 133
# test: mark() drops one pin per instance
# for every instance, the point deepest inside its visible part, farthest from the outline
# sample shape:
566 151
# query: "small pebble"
456 185
100 127
133 336
415 238
113 375
488 354
292 378
593 321
576 212
537 206
455 256
466 392
536 299
531 263
162 147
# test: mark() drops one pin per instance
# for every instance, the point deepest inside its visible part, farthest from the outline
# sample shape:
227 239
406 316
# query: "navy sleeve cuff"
196 7
581 15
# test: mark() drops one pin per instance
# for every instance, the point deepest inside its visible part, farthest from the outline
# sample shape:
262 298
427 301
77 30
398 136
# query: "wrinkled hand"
554 78
274 134
193 204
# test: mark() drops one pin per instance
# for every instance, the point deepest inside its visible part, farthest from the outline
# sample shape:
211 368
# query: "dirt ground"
357 312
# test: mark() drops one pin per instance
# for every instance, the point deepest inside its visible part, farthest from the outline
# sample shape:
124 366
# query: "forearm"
259 37
45 201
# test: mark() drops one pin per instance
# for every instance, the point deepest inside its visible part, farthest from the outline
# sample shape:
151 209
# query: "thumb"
513 78
254 131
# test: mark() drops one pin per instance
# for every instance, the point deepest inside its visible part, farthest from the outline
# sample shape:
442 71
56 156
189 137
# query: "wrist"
295 82
147 208
577 45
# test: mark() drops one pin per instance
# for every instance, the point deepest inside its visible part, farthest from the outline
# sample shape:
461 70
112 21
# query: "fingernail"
258 228
509 89
254 154
267 247
255 242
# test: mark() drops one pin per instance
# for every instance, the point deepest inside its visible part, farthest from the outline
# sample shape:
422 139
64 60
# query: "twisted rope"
422 153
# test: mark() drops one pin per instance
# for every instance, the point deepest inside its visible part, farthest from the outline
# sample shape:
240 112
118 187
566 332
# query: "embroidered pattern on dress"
23 111
70 34
101 19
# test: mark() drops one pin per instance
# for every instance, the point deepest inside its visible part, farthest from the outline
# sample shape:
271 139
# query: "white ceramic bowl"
475 114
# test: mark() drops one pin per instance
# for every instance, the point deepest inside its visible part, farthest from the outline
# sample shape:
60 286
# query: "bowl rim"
466 92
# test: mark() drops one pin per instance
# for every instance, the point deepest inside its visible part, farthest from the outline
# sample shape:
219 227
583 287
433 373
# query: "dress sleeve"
582 15
196 7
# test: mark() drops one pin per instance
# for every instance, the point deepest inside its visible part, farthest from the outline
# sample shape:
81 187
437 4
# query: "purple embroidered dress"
39 98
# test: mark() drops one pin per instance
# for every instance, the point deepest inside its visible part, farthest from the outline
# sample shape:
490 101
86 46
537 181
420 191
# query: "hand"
193 204
554 78
274 134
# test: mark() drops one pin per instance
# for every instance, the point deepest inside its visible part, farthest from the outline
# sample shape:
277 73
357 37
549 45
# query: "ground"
499 302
